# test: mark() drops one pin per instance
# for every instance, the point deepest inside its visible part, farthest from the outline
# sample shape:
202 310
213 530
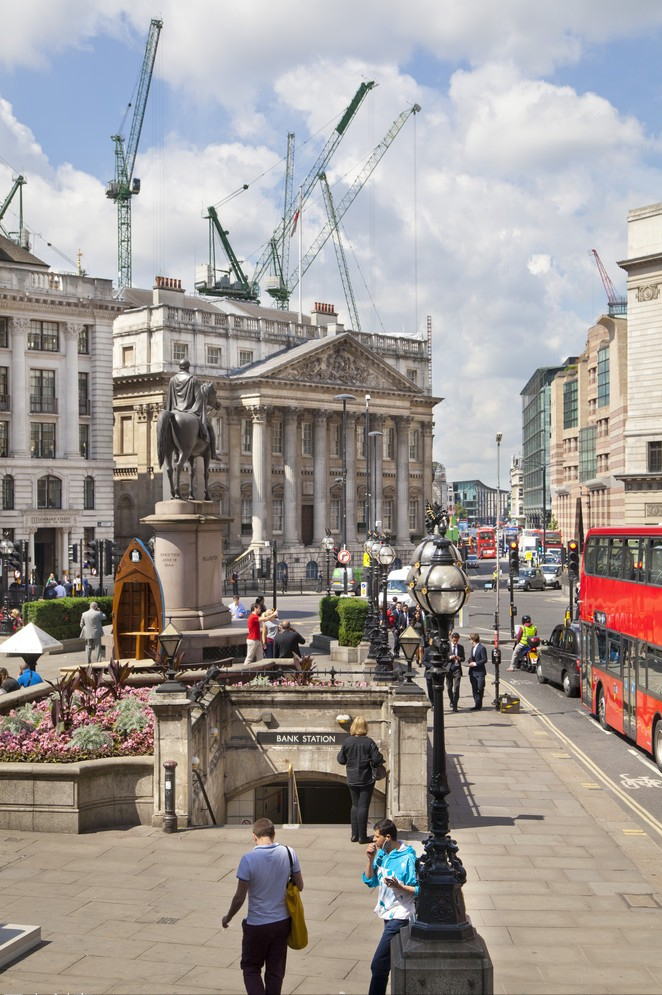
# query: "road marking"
562 756
634 832
644 761
591 786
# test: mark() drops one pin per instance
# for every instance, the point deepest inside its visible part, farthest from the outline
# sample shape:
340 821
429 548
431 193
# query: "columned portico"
321 475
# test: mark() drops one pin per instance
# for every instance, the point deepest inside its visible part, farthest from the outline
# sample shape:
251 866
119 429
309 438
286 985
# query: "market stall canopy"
30 642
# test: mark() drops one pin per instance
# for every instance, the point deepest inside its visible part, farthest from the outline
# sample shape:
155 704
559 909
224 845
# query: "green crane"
124 186
340 254
239 288
16 186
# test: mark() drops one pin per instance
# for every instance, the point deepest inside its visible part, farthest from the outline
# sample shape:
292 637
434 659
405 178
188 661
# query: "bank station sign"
292 738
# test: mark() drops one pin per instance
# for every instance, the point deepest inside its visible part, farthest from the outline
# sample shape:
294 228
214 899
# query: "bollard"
169 813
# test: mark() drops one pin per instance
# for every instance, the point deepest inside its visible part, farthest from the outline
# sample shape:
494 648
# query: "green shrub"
132 716
89 738
329 621
60 617
352 614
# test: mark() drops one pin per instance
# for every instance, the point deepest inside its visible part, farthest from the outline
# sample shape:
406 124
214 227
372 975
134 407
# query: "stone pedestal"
419 967
172 741
408 803
188 555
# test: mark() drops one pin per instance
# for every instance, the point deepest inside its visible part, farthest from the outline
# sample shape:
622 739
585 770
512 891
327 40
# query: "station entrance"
321 803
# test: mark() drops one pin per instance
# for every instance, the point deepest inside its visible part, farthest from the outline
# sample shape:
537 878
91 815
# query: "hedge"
329 621
60 617
343 619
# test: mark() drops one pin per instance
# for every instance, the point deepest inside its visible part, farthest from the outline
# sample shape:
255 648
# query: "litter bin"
509 703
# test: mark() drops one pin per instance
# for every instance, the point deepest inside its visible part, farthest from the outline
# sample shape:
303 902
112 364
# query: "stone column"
172 741
351 479
403 424
234 466
19 444
259 474
408 792
69 392
291 482
321 476
377 425
426 436
268 481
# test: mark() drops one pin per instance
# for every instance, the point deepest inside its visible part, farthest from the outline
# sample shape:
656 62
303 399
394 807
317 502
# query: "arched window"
88 493
312 570
49 492
124 522
8 493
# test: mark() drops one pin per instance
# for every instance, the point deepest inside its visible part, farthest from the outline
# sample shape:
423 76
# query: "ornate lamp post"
169 640
328 544
410 640
6 550
383 554
344 398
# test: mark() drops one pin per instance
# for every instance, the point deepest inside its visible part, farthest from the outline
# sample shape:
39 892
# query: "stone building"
279 432
56 458
588 410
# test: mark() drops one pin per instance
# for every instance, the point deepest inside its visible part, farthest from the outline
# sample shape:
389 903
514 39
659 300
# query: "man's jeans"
381 962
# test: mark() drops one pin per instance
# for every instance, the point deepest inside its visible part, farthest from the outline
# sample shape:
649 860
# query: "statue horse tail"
163 437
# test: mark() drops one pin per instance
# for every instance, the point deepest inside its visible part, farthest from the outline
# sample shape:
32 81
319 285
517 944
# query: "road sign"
344 556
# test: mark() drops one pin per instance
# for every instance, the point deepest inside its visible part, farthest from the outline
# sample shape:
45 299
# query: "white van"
396 587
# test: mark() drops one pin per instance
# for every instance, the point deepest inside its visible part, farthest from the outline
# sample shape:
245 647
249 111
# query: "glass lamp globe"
436 578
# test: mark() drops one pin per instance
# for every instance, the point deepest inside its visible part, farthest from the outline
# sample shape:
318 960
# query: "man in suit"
454 674
91 629
477 673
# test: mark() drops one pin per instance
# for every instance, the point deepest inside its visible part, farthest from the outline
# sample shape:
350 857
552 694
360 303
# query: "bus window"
601 556
632 560
615 558
599 654
654 565
614 657
642 655
654 671
590 556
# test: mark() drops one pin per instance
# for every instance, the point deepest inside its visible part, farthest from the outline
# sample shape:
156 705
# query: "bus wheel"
602 709
657 743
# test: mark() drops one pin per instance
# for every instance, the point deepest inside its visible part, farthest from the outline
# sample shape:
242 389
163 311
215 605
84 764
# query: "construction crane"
282 231
237 288
276 286
616 304
351 194
124 186
21 236
340 254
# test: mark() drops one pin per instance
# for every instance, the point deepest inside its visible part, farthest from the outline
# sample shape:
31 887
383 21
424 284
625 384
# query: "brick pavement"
562 884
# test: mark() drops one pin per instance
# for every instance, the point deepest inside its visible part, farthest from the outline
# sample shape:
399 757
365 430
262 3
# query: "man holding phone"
391 867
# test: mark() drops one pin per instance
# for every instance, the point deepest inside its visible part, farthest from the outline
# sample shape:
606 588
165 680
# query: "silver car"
529 579
552 573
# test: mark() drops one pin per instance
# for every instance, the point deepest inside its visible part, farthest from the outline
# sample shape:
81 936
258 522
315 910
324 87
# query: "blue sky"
535 138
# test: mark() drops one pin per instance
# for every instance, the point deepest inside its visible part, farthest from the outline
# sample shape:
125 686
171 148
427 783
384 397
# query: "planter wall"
77 797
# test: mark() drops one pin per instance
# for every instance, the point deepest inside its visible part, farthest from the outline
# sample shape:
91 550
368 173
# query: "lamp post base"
419 967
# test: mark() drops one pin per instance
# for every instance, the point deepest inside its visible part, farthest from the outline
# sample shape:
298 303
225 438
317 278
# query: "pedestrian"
67 585
7 683
454 674
417 622
287 642
269 631
16 619
91 629
234 577
360 754
263 875
391 867
28 675
477 672
78 586
254 639
237 610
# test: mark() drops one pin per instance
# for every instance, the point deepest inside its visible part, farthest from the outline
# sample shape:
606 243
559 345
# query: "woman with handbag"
361 755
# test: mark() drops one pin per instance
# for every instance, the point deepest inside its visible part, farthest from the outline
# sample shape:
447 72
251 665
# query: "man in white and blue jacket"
391 867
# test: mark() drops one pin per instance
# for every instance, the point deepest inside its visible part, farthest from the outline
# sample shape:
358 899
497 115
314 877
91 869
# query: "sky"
536 136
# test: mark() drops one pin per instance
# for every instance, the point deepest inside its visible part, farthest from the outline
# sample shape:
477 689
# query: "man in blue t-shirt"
27 676
263 874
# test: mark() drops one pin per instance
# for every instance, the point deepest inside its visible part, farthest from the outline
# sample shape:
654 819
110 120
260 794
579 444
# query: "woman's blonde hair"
359 727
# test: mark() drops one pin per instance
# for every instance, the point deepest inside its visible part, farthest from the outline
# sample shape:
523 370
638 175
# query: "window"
655 457
412 375
84 341
42 392
603 377
4 333
336 435
84 441
126 435
312 570
277 510
570 403
413 515
413 444
128 355
179 351
334 514
277 437
307 438
4 388
214 355
8 493
246 516
587 460
49 492
387 515
246 436
88 493
42 440
83 393
245 357
389 435
4 439
44 336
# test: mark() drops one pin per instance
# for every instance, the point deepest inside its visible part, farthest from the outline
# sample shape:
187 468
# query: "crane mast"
124 186
16 186
616 304
240 289
340 254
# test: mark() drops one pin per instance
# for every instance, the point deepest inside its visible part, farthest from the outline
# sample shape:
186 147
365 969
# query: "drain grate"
167 920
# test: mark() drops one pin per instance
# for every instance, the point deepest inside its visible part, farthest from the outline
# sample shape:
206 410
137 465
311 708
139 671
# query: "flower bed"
98 726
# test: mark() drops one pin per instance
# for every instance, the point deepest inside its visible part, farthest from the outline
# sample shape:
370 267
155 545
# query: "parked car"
529 579
558 659
552 574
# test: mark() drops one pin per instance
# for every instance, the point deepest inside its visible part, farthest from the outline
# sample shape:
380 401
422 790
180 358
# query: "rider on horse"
184 394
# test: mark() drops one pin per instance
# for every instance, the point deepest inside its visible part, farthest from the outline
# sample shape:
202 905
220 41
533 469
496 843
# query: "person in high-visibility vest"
525 631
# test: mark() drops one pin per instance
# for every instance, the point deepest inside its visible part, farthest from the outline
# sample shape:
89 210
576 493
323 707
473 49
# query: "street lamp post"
383 555
441 587
170 639
496 651
344 398
6 550
327 543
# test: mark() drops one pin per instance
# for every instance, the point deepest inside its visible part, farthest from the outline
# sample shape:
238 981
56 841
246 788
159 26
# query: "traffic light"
73 552
573 557
92 554
14 561
513 557
334 553
109 556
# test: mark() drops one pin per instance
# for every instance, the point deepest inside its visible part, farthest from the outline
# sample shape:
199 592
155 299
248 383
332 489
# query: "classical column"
69 414
19 444
377 425
426 436
234 466
320 476
268 476
351 478
259 473
291 482
402 424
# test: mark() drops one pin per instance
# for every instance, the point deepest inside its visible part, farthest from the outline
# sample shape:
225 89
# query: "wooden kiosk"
138 604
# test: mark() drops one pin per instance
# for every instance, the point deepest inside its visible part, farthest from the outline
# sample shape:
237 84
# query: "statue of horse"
178 435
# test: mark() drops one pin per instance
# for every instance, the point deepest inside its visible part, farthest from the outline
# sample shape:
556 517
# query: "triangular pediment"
335 362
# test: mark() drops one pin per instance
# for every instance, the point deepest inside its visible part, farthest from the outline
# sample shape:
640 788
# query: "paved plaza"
562 884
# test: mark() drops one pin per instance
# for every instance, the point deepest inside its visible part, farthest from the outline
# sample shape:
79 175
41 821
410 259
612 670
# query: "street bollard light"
328 544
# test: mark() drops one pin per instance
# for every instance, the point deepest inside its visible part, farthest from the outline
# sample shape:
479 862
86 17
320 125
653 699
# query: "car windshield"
529 572
399 586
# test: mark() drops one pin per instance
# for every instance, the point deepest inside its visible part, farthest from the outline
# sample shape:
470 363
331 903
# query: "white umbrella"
30 642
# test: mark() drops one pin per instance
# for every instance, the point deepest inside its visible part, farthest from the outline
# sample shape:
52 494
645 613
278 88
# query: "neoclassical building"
279 432
56 458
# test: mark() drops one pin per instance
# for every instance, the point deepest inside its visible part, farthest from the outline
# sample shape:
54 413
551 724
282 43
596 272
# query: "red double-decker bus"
621 632
486 543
